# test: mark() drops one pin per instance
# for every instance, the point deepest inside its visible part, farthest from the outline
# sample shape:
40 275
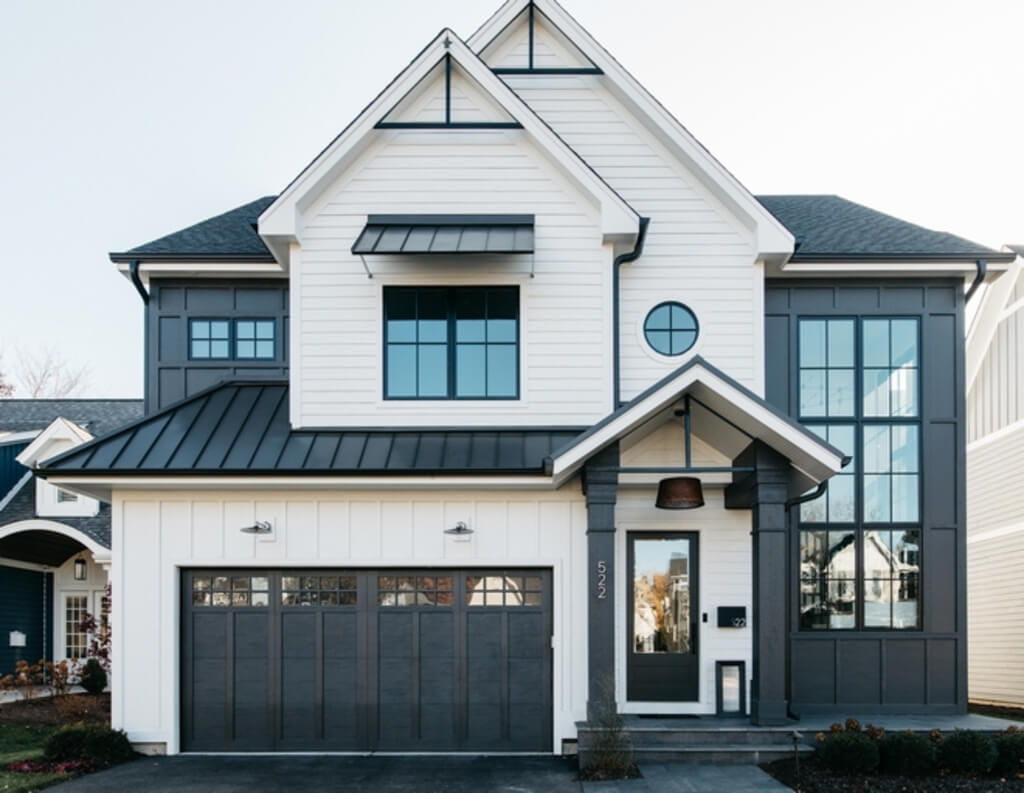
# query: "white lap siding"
697 252
565 310
156 535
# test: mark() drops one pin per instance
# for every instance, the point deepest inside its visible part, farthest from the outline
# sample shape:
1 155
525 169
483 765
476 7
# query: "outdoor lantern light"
79 569
681 492
259 527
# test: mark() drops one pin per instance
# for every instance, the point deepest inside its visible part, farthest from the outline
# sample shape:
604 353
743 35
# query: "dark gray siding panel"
923 670
170 375
22 608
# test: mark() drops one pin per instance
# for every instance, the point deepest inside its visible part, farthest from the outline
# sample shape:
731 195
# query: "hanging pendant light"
681 492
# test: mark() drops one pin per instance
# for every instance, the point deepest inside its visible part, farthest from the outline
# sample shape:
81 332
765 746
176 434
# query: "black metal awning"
445 234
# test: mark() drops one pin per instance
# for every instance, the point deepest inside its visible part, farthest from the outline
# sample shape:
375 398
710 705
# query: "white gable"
511 48
429 101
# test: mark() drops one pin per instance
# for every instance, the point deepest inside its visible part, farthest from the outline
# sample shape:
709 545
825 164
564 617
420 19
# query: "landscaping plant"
93 677
968 752
1010 749
94 744
906 754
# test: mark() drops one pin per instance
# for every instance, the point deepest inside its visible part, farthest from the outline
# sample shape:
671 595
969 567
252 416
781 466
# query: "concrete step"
692 736
722 754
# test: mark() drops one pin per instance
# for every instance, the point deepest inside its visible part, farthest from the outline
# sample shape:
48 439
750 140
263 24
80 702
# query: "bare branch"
44 374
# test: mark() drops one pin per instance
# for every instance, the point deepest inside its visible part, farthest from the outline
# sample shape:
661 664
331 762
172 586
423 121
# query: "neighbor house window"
451 343
240 339
860 560
75 639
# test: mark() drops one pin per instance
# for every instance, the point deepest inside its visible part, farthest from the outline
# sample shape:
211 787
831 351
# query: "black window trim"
232 338
696 328
450 344
859 526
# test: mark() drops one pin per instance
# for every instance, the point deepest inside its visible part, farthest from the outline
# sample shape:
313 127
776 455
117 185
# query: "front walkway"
288 773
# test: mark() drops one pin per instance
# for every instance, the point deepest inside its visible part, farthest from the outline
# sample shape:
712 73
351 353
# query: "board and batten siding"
996 399
155 535
696 252
565 310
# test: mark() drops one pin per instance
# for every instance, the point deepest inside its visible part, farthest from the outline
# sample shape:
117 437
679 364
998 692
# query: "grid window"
827 368
497 589
415 590
75 639
445 343
254 339
839 503
891 578
319 590
209 338
236 590
890 355
670 329
866 371
891 473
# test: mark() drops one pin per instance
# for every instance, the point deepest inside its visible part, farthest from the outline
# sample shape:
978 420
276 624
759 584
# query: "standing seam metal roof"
241 427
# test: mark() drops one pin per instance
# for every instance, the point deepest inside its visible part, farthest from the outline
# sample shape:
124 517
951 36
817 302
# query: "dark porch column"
601 482
765 492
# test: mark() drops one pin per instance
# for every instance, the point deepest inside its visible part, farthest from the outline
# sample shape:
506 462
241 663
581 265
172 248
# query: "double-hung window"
859 388
451 342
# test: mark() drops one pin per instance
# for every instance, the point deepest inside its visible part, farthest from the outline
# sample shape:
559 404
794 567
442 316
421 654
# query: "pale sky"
126 120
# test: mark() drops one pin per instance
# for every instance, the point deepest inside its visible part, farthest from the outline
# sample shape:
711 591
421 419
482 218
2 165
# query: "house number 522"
602 580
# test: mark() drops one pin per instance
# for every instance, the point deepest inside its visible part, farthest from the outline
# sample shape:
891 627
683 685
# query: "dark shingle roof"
98 416
231 235
23 507
829 227
243 427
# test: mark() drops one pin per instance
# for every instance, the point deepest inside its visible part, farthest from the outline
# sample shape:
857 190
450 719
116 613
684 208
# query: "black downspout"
625 258
133 268
982 269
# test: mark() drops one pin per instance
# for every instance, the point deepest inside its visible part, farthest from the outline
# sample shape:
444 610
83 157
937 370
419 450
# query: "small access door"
662 657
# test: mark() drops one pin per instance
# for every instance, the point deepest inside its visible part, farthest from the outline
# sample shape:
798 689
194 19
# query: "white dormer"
51 501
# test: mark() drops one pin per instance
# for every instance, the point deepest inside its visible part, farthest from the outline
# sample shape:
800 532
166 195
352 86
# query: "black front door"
662 660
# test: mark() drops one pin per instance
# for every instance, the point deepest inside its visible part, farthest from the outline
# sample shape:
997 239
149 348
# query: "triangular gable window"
447 97
533 44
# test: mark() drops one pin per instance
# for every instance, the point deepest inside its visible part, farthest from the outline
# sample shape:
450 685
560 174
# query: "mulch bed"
999 711
814 778
54 711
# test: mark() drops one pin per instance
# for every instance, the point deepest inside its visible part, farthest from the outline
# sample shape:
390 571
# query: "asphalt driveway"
320 773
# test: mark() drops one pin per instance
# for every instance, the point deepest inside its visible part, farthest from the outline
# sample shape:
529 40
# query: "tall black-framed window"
859 388
451 342
239 339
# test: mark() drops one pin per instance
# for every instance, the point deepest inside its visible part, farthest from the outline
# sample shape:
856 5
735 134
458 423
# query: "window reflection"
661 596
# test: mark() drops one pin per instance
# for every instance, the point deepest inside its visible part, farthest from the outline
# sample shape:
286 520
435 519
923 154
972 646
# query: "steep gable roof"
277 224
773 239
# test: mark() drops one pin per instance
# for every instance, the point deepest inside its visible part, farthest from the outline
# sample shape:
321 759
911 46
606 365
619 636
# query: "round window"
670 328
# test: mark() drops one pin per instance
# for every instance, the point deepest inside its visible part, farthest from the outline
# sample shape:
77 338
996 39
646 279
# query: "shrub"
849 752
94 679
1010 749
91 743
968 752
610 754
907 754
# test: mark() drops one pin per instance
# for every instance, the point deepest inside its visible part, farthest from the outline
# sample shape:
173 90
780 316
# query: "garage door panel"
326 660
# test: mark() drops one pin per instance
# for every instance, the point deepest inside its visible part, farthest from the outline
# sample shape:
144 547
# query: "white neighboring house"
54 543
995 478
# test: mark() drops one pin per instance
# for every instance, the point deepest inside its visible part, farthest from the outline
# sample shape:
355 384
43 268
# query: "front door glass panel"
661 596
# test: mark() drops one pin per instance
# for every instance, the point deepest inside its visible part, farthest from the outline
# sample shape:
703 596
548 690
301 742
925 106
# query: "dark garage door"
368 660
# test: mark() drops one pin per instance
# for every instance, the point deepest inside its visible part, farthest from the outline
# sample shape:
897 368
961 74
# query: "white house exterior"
995 516
395 489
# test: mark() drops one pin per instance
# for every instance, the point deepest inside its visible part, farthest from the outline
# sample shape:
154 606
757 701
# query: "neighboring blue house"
54 544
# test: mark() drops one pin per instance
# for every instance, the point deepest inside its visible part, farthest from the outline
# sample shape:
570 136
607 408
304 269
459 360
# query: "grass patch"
21 743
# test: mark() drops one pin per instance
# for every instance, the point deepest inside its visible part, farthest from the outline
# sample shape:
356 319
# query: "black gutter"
130 256
818 492
621 259
137 281
982 266
966 258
